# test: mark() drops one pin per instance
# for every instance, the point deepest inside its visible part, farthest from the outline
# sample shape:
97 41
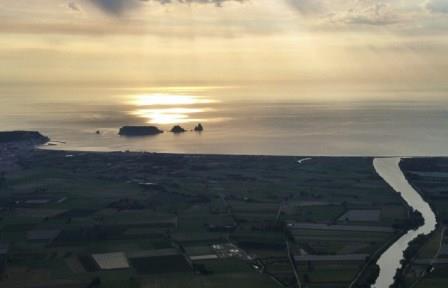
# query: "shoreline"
51 148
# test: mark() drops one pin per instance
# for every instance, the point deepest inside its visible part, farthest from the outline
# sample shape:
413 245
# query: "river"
389 262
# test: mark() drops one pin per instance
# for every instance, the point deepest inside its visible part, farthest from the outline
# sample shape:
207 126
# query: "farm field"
77 219
428 266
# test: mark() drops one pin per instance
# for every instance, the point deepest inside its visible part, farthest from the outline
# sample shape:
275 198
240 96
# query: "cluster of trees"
96 282
369 277
409 254
414 221
2 179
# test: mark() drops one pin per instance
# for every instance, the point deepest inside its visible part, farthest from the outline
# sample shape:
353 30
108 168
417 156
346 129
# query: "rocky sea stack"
199 128
23 136
178 129
139 131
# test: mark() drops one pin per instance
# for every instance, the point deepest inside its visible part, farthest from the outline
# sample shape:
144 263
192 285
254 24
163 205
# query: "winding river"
389 262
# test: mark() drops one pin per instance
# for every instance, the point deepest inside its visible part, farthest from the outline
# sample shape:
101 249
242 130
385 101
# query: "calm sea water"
272 121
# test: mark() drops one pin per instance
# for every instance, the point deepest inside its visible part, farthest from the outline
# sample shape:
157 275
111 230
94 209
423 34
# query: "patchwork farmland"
161 220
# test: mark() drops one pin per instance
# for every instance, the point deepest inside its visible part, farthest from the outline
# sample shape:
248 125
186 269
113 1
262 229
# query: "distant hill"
19 136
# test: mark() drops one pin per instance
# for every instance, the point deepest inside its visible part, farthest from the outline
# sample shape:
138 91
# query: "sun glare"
164 108
169 115
169 100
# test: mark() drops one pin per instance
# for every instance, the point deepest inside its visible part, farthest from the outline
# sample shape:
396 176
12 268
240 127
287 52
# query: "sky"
400 43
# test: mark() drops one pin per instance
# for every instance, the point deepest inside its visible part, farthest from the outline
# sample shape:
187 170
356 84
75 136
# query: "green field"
102 203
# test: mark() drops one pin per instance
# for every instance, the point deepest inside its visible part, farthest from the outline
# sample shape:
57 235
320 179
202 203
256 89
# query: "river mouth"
390 261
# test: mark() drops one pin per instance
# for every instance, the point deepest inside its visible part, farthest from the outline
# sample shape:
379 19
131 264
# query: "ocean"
237 120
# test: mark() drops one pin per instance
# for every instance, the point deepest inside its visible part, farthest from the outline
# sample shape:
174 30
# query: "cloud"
343 12
437 6
215 2
308 6
372 12
324 12
74 6
118 7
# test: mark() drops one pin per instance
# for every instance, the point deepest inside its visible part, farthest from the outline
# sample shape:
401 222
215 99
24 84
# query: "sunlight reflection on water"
163 108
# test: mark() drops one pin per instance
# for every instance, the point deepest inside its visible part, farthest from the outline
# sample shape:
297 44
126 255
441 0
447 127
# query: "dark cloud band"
438 6
117 7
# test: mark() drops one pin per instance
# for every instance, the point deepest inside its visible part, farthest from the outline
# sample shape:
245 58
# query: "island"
139 131
199 128
178 129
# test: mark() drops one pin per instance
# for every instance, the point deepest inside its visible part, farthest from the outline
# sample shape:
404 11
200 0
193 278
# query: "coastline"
300 156
46 147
